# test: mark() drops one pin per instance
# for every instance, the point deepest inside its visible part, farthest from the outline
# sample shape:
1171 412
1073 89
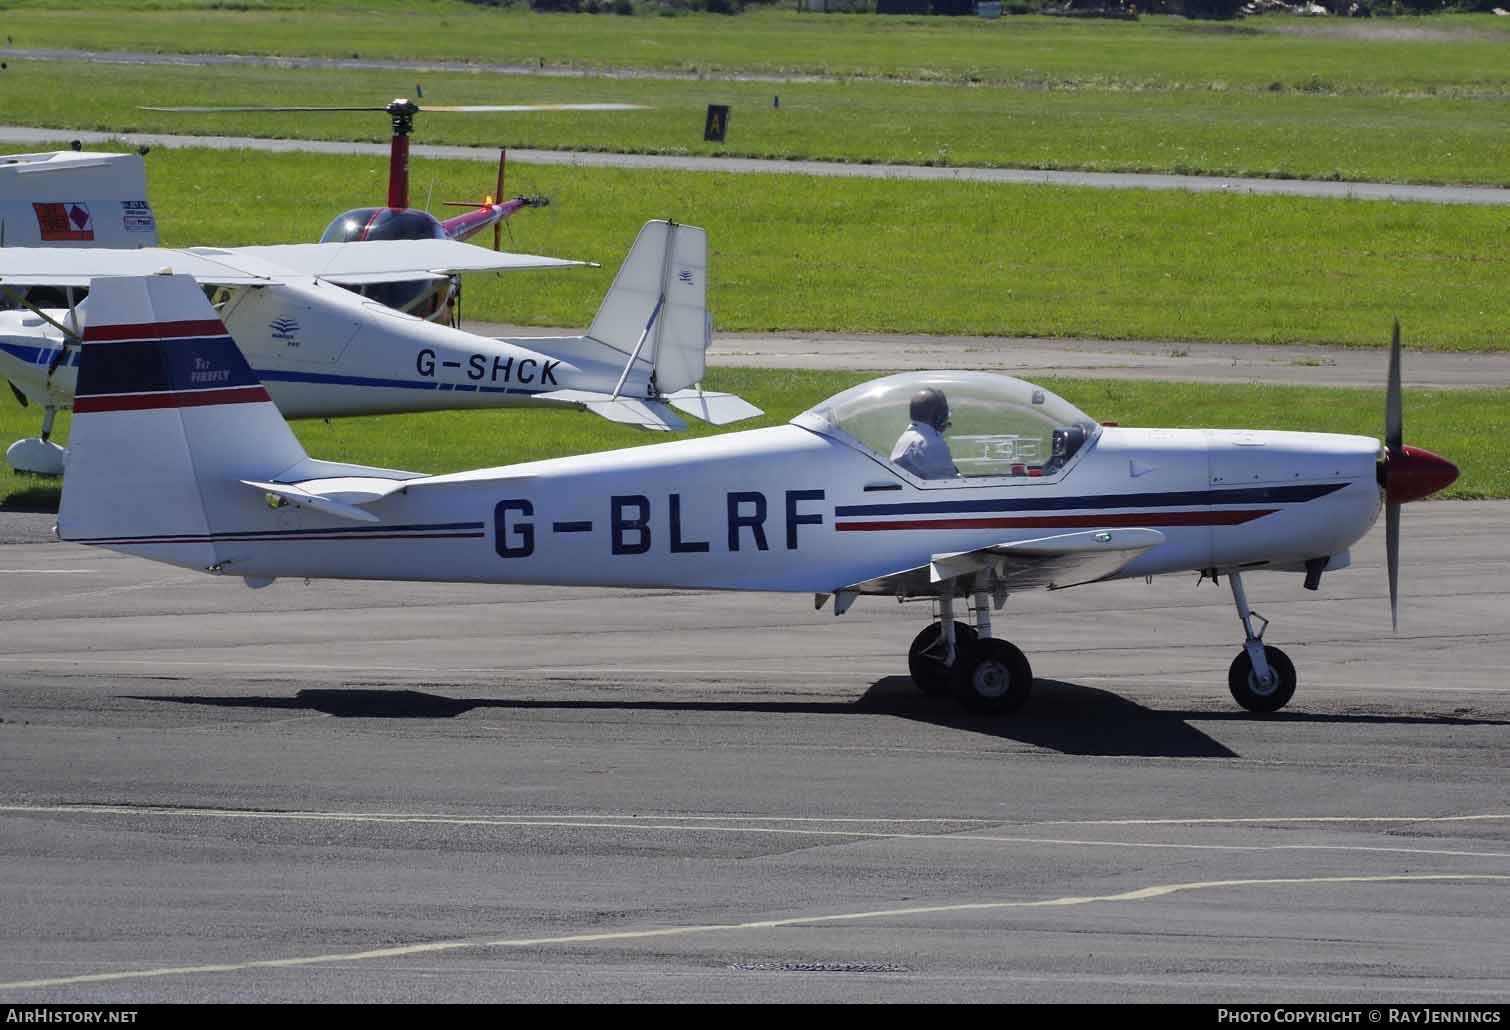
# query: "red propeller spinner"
1412 473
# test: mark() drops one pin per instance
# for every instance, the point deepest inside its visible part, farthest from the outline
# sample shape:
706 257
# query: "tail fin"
658 304
168 418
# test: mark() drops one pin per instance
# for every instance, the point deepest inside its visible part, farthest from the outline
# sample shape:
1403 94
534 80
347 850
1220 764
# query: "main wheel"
1257 695
992 677
925 658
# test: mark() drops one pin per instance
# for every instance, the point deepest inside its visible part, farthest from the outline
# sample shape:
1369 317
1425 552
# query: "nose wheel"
1262 693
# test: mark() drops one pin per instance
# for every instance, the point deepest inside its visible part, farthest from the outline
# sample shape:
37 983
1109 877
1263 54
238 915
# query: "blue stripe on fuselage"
329 379
36 355
1245 495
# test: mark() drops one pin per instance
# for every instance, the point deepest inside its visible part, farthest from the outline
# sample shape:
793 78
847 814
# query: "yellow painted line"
436 947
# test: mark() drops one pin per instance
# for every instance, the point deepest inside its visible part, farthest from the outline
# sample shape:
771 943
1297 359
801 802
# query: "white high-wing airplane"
323 351
179 456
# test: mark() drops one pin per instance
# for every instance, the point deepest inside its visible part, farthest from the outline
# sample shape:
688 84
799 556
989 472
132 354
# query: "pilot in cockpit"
921 449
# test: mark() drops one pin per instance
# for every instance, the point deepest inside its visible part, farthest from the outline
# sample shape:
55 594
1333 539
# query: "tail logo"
286 329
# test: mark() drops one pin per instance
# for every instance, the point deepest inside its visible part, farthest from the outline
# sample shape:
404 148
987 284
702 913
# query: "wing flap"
1055 562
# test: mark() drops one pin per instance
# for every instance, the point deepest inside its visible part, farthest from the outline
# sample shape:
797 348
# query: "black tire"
992 677
925 658
1258 697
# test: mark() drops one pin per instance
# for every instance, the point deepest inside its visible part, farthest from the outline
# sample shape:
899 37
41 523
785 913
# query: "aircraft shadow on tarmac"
1066 717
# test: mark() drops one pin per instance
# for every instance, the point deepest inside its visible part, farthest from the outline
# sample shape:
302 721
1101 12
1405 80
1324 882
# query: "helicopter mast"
402 111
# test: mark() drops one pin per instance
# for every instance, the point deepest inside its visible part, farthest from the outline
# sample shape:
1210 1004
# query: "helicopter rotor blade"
511 108
226 110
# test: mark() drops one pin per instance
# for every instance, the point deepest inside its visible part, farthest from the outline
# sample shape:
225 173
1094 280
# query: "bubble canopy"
999 426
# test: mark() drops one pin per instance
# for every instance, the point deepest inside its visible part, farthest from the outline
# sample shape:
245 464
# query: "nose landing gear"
1262 678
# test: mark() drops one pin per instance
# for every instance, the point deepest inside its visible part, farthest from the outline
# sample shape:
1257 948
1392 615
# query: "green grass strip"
1454 55
1423 139
792 252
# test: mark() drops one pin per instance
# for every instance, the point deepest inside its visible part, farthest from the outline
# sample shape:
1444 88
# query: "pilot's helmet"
930 407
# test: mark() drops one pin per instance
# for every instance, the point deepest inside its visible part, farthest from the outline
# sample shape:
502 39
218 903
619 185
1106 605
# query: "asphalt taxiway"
375 792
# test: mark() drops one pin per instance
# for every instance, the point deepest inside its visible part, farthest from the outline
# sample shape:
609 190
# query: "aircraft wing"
348 264
352 264
1055 562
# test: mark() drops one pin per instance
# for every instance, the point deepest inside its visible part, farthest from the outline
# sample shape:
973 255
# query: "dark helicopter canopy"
383 223
425 298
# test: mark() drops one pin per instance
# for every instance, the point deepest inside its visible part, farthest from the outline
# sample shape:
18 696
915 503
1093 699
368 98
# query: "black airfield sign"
717 123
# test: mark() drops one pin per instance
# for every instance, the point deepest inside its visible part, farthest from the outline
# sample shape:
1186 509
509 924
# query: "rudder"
659 304
168 418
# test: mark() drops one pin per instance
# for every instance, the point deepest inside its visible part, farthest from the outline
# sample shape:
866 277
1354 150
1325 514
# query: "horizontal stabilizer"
314 468
719 409
632 411
287 494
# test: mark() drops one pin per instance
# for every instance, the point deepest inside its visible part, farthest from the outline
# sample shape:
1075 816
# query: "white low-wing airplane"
323 351
179 456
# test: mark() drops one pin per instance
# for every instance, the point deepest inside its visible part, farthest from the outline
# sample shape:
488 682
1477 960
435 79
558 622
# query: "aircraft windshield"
992 425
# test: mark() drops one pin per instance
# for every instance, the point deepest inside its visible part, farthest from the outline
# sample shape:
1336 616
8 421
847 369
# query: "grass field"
789 252
1456 55
1275 134
1466 426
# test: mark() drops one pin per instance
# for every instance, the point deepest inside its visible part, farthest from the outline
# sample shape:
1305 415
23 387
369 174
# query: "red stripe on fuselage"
154 331
170 399
1092 521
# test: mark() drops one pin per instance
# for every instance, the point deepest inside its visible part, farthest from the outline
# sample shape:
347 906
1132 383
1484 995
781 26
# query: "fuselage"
324 352
792 509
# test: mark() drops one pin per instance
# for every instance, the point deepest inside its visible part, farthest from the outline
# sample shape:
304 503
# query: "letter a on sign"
717 123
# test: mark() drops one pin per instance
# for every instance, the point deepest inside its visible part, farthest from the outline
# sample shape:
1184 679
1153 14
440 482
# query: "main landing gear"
985 675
